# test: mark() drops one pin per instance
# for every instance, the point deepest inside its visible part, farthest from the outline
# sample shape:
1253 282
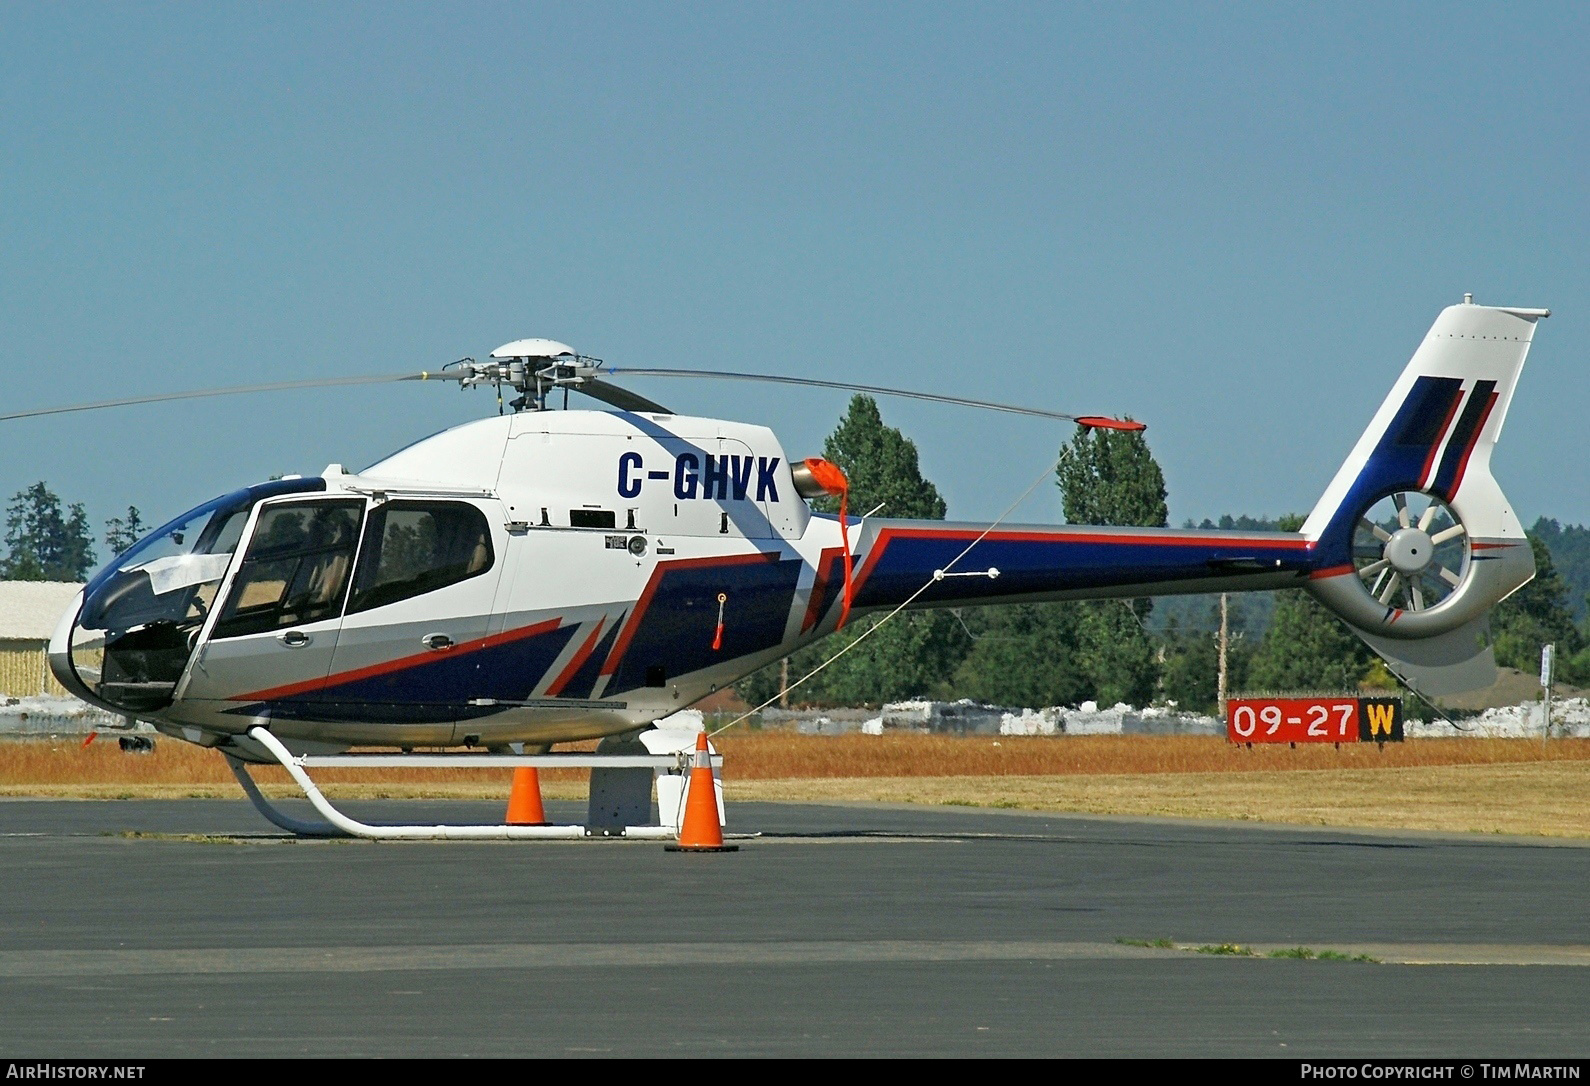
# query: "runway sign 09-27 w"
1314 720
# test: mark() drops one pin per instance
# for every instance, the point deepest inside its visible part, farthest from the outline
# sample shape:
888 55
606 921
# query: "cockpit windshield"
142 613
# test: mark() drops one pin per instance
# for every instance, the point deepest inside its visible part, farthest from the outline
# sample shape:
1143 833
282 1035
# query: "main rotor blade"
621 398
1100 421
233 390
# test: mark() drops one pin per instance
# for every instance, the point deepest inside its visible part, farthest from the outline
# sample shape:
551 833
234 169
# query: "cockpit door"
271 645
414 649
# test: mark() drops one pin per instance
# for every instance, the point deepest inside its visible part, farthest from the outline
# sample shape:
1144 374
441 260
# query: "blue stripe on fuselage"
432 689
676 630
1031 563
1397 463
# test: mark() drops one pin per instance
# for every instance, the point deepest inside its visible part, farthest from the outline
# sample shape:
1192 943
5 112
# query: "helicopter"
541 576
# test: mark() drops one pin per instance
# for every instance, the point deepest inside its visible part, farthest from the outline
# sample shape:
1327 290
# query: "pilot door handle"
294 639
436 642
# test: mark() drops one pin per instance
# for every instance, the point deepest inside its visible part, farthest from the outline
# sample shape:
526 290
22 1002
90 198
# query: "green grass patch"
1304 953
1301 952
1237 950
186 838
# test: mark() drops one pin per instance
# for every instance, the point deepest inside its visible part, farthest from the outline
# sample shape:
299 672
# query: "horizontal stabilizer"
1451 663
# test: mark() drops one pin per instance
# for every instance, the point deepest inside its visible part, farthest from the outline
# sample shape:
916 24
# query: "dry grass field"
780 755
1529 798
1484 786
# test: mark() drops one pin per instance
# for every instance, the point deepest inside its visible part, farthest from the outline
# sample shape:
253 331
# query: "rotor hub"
1410 550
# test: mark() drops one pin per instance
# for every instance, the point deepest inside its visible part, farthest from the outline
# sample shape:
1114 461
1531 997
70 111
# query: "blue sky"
1232 221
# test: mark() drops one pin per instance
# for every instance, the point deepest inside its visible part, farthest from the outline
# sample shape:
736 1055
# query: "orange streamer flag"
832 479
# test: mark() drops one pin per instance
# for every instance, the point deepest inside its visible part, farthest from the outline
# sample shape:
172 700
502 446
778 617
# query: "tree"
1189 671
1116 653
1575 669
1110 477
1024 655
44 543
1307 648
881 464
1569 545
122 532
1535 615
912 656
917 651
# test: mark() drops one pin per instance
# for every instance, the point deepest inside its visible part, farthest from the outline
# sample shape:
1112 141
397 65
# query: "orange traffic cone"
700 830
524 801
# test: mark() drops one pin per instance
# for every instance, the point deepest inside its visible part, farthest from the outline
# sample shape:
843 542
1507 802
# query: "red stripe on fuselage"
1468 451
819 599
1333 571
575 664
311 685
621 646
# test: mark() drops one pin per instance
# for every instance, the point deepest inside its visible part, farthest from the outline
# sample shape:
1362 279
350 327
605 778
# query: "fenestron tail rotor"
535 368
1410 550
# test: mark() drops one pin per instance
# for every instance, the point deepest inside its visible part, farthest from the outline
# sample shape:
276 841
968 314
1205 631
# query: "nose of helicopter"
60 653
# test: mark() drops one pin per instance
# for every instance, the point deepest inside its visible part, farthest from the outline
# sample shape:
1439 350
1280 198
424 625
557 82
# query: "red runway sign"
1314 720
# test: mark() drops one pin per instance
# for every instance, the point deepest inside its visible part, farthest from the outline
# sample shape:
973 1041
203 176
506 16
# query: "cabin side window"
296 568
414 547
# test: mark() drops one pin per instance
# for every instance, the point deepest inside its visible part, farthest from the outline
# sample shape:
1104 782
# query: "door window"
415 547
296 568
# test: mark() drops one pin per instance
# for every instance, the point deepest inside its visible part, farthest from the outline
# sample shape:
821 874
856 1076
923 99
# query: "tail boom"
1036 563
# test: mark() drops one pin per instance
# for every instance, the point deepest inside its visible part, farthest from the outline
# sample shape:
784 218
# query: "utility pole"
1224 641
783 683
1548 656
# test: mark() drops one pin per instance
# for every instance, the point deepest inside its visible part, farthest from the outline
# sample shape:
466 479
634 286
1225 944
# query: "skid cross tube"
274 814
338 823
679 761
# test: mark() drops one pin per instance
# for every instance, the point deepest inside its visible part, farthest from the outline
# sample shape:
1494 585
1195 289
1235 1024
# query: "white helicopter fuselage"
596 530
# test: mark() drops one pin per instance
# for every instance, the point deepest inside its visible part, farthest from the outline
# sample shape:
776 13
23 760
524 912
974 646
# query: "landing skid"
621 785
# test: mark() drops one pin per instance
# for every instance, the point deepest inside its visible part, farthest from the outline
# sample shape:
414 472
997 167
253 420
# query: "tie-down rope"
937 576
